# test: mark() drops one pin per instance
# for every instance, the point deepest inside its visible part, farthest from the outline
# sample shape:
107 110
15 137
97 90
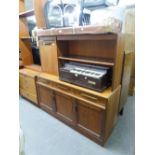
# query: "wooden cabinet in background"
28 52
27 84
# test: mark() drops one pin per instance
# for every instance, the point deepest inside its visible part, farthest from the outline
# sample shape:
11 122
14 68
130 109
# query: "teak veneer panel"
117 71
64 106
89 118
92 48
112 112
48 54
46 99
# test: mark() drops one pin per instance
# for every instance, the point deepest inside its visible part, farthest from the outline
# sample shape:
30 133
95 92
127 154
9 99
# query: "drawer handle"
61 87
47 42
89 97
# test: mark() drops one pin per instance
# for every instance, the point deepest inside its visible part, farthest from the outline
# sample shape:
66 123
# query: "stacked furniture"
25 38
30 71
92 113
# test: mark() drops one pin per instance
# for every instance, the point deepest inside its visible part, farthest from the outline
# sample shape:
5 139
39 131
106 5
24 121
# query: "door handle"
63 88
89 97
47 43
53 104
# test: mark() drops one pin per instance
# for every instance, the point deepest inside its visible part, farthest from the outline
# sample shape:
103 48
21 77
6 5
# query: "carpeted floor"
45 135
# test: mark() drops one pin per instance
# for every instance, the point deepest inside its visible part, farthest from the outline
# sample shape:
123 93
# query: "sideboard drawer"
73 92
89 97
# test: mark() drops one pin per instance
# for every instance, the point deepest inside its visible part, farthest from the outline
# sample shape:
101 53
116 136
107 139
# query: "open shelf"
27 13
34 67
25 37
96 61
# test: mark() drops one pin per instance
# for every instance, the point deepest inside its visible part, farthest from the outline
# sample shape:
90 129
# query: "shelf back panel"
92 48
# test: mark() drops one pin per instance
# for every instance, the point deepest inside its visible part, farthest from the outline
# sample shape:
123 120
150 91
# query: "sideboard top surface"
105 94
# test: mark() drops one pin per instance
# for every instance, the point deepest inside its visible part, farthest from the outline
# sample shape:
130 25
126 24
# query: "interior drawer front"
83 95
72 91
28 95
55 85
90 97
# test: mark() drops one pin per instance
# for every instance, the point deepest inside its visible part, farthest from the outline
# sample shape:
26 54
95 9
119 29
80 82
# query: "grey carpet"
45 135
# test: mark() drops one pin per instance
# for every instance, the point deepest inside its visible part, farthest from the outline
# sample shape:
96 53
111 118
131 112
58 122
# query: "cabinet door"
46 99
64 108
90 119
48 53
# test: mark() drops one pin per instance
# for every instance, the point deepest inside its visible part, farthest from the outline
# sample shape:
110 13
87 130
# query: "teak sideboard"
92 113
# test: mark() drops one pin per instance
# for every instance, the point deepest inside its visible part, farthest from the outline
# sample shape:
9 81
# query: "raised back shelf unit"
104 49
96 49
